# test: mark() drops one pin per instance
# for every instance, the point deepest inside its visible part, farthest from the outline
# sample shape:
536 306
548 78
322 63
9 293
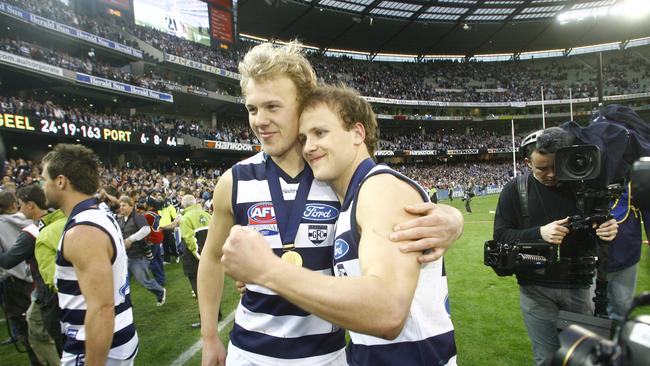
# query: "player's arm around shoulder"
380 207
210 274
90 251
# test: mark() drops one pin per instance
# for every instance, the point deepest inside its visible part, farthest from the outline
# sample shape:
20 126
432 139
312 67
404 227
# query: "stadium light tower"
631 9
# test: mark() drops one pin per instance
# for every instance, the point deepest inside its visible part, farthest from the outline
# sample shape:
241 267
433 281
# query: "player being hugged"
395 308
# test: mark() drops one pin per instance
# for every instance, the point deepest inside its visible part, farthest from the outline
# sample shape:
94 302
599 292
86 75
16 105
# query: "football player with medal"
274 81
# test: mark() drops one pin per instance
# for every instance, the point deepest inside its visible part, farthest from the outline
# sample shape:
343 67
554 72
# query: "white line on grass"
196 347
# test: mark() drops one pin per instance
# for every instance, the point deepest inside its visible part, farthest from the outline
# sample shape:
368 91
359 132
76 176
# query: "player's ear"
359 133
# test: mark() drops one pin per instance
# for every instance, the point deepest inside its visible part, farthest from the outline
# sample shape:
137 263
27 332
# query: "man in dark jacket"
17 283
558 286
134 229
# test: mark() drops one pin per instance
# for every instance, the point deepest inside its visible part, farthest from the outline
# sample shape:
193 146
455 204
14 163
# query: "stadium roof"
439 27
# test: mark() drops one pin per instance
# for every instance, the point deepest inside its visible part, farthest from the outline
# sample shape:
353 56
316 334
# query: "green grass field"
485 308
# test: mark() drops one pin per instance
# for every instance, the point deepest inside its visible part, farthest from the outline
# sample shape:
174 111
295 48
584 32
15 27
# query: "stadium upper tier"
59 12
625 72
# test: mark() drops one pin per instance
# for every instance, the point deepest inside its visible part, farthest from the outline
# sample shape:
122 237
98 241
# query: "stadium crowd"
229 131
168 179
225 59
60 12
445 139
88 65
113 28
444 81
458 175
238 131
450 81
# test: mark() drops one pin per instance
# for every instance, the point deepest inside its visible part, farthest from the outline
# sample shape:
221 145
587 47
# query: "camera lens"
580 164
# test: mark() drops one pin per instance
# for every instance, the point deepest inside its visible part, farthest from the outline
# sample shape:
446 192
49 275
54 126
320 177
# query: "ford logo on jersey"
261 213
341 248
320 212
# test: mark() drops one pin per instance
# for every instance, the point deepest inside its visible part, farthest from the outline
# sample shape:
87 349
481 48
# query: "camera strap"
522 188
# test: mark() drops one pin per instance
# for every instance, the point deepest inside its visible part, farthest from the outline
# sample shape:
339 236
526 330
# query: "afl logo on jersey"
341 248
261 214
319 212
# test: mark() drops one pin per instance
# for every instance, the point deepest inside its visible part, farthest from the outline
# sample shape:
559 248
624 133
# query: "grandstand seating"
433 81
625 72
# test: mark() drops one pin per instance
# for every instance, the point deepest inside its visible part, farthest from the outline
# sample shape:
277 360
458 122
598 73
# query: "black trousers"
190 268
169 245
16 296
50 308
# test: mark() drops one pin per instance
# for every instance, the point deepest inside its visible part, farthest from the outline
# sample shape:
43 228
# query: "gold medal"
293 258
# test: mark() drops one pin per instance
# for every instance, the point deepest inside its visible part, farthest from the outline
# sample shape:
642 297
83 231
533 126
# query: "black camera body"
507 259
580 166
640 179
577 163
579 346
630 345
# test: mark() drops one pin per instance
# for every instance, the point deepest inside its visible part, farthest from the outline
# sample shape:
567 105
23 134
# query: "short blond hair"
266 61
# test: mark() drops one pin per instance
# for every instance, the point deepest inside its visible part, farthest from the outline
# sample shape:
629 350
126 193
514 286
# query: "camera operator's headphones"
530 139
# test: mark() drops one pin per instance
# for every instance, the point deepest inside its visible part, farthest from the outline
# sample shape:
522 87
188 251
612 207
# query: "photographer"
134 228
558 286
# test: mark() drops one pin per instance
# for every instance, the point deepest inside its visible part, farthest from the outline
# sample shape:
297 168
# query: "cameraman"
546 291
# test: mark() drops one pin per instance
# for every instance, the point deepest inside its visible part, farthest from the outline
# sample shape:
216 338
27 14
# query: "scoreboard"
34 124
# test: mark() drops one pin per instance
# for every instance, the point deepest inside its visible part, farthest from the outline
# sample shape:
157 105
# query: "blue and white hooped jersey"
265 323
428 334
72 302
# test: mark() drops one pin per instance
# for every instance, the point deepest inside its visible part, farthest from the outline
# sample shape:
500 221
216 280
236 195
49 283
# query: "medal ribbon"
288 222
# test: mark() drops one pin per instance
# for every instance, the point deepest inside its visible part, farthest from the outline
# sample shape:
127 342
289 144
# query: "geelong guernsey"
428 334
267 327
72 301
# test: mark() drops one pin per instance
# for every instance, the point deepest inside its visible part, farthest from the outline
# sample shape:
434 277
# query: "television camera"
579 166
630 343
